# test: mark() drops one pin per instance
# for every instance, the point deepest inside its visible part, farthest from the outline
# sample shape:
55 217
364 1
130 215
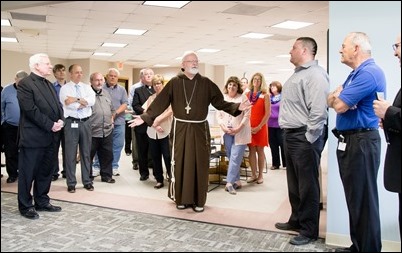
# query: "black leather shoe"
158 185
11 180
301 240
71 189
108 180
63 174
30 214
144 178
55 177
89 187
48 208
286 226
135 166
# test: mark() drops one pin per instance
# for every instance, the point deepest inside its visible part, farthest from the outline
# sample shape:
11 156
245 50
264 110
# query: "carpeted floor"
88 228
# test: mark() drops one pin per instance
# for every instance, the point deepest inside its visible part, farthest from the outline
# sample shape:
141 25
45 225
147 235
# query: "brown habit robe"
191 141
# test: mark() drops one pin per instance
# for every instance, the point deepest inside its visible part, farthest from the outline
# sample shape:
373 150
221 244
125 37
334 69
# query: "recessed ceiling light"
208 50
171 4
256 35
113 44
102 54
130 31
5 22
292 25
6 39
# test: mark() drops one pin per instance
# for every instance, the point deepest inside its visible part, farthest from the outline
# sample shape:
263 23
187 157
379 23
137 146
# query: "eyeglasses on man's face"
194 61
396 46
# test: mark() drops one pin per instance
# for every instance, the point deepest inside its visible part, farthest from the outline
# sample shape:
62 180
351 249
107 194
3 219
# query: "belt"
80 120
358 130
295 130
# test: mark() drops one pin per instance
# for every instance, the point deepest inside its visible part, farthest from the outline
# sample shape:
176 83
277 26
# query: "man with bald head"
190 95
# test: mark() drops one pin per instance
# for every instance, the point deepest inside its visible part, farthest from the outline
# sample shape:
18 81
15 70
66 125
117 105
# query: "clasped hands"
57 126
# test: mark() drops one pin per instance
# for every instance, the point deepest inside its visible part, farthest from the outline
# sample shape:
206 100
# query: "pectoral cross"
188 108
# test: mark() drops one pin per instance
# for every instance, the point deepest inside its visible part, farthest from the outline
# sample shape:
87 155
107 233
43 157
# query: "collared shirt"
10 109
359 92
304 100
119 97
69 90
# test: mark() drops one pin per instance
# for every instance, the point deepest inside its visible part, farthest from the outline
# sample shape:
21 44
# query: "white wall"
382 22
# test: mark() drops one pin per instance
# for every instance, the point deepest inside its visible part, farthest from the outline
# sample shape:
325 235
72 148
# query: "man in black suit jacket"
391 123
40 122
141 95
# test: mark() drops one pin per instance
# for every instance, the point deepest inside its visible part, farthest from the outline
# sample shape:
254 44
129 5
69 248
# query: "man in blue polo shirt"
359 143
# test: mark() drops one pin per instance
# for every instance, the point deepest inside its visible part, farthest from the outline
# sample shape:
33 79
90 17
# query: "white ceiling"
76 29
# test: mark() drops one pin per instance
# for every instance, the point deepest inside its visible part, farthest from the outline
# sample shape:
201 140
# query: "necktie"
78 95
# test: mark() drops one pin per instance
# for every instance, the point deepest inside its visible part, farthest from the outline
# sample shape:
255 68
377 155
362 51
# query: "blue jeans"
235 154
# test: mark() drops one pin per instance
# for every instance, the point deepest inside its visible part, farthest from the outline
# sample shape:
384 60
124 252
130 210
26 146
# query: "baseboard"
338 240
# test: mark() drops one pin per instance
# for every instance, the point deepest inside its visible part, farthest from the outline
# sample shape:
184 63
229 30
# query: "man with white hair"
190 95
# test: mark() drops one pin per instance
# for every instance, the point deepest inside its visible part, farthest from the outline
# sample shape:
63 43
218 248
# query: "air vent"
248 10
29 17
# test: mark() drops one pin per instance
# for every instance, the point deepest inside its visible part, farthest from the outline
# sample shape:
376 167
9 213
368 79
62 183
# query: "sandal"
251 180
260 181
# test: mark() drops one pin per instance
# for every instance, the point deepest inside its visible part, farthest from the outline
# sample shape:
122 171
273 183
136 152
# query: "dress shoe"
11 180
30 214
198 209
71 189
144 178
128 153
108 180
286 226
55 177
158 185
48 208
274 168
181 207
301 240
89 187
135 166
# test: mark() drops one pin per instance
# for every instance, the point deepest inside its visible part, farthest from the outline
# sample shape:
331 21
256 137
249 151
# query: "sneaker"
95 172
198 209
181 207
116 173
230 189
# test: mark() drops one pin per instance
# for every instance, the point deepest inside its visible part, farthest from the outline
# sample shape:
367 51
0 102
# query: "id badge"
74 125
342 146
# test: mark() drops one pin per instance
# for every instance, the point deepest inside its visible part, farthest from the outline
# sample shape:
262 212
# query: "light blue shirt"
10 109
86 92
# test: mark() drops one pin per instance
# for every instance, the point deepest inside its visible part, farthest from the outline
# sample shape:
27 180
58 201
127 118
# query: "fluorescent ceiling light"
113 44
256 35
292 25
5 39
171 4
283 56
285 70
208 50
5 22
102 54
161 65
130 31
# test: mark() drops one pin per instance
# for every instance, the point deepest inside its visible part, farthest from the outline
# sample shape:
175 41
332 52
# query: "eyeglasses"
396 46
195 61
